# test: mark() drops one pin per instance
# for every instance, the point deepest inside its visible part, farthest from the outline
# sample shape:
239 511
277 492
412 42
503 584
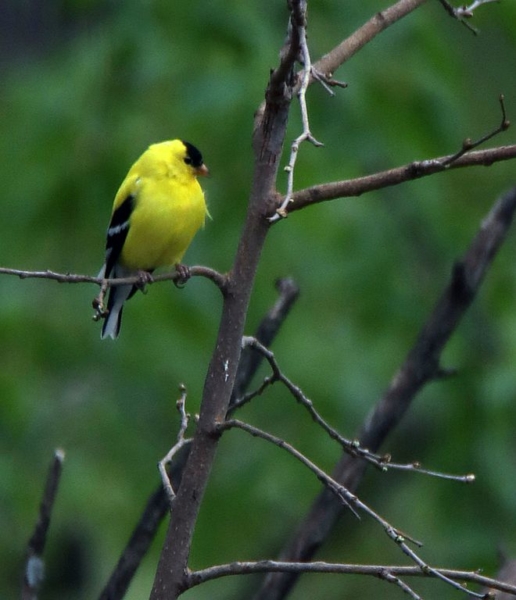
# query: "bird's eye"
188 160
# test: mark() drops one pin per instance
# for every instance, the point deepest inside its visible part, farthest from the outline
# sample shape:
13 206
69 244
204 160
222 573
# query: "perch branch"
217 278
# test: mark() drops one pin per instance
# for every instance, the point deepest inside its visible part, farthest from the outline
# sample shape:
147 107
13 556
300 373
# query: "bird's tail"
117 296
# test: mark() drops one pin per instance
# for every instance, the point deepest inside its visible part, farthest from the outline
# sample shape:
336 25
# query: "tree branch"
268 138
158 503
267 331
181 442
383 463
34 567
156 508
420 367
331 61
409 172
464 12
343 496
198 271
270 566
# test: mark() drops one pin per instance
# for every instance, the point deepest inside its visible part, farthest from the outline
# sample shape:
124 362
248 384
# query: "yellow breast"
168 213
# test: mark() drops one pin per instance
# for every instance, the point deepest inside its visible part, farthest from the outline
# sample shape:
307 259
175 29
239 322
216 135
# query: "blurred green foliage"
84 91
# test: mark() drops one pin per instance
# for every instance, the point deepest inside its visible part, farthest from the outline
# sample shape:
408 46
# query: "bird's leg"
98 303
184 275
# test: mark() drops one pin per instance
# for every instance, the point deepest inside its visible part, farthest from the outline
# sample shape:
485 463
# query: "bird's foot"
184 275
144 277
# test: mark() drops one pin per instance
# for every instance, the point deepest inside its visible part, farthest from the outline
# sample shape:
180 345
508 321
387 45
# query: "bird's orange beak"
202 171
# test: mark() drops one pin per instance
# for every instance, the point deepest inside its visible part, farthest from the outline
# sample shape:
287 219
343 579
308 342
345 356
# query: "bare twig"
271 566
298 20
352 447
462 13
467 11
34 567
266 332
181 442
344 496
468 145
419 368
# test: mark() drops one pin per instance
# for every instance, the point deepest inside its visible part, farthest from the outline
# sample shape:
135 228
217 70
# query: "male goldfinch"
156 213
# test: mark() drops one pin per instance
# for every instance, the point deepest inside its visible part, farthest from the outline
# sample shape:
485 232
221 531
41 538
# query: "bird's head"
182 159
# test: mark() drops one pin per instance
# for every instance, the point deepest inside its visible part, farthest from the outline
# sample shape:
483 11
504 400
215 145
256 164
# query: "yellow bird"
157 211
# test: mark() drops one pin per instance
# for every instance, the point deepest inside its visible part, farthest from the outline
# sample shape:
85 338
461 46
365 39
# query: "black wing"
117 232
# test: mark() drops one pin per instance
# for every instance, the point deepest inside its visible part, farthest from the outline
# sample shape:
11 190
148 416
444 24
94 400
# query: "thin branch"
410 172
217 278
415 170
420 367
270 566
462 13
162 499
265 333
467 11
330 62
34 567
344 496
382 462
298 21
468 145
389 577
181 442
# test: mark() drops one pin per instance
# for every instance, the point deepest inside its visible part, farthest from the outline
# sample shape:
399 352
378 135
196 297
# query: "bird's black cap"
194 156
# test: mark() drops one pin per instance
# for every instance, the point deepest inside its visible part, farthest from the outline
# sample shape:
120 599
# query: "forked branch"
382 462
352 502
421 366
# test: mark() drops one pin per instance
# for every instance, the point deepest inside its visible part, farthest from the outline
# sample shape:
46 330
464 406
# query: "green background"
86 86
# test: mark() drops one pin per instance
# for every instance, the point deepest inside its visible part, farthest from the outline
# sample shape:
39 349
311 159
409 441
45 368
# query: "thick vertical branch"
269 134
